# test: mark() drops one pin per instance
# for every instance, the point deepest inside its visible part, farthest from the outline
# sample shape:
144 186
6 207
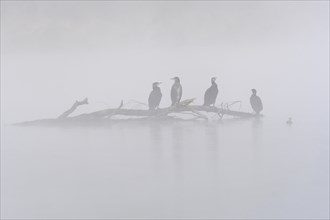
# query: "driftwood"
165 111
160 113
183 106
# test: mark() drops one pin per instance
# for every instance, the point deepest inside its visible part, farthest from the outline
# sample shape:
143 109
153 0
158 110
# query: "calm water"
233 169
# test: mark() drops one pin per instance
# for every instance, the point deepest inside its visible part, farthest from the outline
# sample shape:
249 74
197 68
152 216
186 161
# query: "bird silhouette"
176 91
256 102
155 96
289 121
211 93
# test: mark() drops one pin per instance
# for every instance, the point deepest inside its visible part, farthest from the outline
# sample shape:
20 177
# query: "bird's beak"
172 78
159 83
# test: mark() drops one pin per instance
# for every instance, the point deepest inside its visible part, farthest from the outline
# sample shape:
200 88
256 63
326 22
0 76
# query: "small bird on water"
256 102
155 96
211 93
289 121
176 91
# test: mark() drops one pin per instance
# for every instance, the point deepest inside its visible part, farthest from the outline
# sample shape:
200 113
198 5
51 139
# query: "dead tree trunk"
183 107
73 108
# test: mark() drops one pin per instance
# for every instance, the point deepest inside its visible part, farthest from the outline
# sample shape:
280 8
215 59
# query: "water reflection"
256 143
156 139
256 129
212 136
178 169
177 138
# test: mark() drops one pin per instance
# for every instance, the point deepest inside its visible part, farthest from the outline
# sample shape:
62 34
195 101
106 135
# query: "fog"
54 53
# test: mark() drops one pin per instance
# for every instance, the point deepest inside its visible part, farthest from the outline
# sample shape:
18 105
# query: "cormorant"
176 91
256 102
211 93
155 96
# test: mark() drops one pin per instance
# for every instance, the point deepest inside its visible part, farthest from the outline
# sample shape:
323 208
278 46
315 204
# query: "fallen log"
183 106
165 111
160 113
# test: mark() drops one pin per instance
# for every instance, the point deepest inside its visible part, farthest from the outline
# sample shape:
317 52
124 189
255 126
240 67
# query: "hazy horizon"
53 53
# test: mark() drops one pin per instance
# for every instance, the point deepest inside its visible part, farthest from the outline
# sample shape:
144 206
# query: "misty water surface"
56 52
230 169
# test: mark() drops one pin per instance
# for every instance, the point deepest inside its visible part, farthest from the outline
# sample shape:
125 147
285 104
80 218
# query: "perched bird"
256 102
289 121
211 93
176 91
155 96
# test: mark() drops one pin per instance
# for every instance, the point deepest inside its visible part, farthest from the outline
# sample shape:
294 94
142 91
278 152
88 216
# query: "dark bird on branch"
211 93
256 102
155 96
176 91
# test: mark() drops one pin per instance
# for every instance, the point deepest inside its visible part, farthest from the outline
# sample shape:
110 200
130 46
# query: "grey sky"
56 52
